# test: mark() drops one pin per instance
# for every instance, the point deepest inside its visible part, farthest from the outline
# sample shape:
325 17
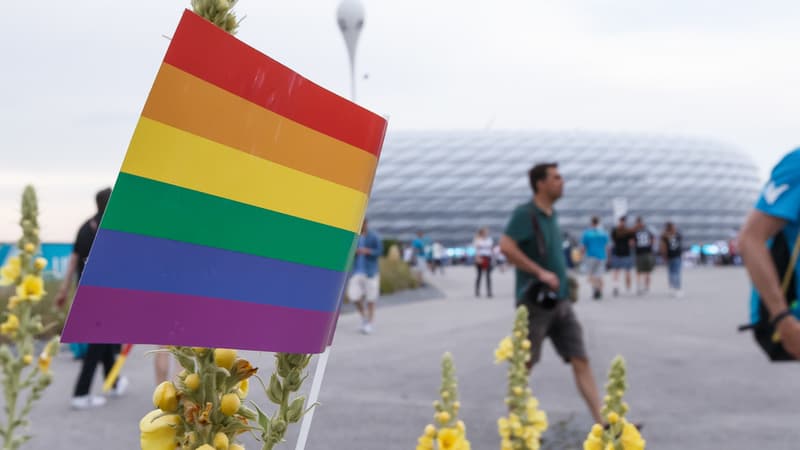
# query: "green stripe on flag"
147 207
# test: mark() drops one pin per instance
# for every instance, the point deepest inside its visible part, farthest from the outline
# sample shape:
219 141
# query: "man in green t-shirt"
555 320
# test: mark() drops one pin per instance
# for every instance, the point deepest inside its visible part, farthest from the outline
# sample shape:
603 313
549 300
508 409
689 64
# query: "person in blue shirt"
364 285
422 250
775 219
595 247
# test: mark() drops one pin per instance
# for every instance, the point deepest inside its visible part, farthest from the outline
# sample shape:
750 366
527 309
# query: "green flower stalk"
21 326
218 12
452 433
620 434
204 404
523 428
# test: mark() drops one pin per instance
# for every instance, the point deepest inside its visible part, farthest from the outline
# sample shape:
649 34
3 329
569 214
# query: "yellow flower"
229 404
10 272
593 443
539 421
631 439
506 444
32 287
430 431
243 389
221 441
447 438
44 362
202 447
165 397
613 418
597 430
40 264
27 359
192 381
29 248
13 302
159 433
443 417
610 446
425 443
10 326
503 428
224 357
504 350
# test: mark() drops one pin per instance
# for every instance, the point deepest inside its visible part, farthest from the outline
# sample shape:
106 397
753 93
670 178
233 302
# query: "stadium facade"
450 183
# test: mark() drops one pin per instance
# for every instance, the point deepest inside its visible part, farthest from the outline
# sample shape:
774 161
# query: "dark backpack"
784 255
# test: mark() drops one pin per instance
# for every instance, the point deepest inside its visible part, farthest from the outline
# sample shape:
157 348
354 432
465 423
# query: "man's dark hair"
102 199
539 173
595 221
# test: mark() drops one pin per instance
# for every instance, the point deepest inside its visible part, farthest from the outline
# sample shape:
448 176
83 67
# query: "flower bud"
295 411
221 441
613 418
229 404
192 381
27 359
430 431
205 447
40 263
199 351
165 397
235 447
30 248
275 391
224 357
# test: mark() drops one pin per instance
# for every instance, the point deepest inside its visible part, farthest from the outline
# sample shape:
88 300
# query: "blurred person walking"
438 254
671 249
421 246
594 244
95 353
621 255
363 287
645 259
483 245
532 242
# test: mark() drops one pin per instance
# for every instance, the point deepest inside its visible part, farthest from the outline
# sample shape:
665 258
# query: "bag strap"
537 231
787 277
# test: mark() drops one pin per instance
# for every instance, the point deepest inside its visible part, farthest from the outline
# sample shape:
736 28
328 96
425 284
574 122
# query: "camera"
540 294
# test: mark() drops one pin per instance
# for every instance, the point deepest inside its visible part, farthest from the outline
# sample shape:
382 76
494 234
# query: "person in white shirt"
438 254
483 245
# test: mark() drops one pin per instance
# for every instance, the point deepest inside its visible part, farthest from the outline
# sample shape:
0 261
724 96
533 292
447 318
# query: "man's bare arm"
516 257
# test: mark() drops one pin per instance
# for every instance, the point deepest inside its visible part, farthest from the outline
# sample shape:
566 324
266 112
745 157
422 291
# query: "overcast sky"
75 75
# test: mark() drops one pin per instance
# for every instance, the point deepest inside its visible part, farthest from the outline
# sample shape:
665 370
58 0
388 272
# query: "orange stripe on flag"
191 104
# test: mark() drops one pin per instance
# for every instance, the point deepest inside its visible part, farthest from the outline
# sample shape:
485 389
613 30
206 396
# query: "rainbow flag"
237 209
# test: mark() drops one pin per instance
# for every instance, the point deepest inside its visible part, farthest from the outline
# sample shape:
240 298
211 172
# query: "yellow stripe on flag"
163 153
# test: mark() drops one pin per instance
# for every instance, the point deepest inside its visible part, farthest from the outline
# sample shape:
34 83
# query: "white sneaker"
368 328
121 388
363 326
86 402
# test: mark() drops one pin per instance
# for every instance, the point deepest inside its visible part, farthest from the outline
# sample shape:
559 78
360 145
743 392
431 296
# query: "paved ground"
694 381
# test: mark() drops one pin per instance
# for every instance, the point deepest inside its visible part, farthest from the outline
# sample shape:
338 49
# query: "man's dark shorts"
562 327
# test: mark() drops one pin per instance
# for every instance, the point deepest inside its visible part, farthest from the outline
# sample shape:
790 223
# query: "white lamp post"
350 17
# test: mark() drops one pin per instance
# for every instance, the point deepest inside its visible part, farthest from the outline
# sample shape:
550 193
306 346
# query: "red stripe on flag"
205 51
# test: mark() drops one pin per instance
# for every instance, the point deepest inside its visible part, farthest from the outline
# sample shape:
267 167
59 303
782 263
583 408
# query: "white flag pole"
316 386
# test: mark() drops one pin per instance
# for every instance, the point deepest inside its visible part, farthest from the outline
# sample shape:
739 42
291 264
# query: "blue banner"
56 254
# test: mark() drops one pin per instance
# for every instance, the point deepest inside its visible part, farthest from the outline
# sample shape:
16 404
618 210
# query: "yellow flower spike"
27 359
229 404
159 433
32 287
40 264
192 381
221 441
224 357
165 397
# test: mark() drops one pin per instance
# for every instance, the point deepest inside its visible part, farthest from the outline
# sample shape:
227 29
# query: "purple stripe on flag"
130 261
127 316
